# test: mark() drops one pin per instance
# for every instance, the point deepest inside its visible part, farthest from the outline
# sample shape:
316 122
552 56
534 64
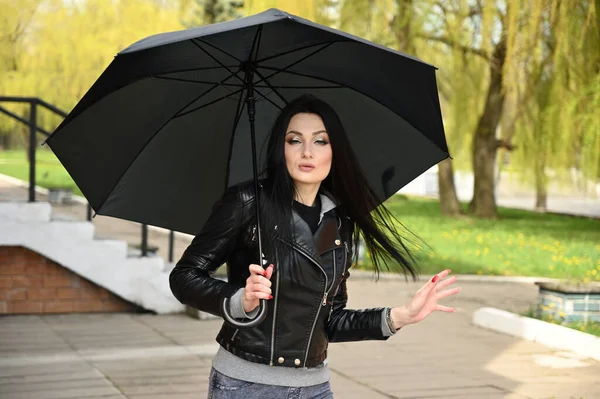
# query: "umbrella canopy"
163 131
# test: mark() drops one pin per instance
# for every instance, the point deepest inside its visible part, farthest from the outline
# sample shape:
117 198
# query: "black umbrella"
160 135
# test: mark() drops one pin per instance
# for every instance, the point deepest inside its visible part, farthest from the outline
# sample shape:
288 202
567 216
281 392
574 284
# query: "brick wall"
30 283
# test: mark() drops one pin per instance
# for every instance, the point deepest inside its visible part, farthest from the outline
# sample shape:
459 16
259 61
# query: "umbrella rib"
300 87
271 87
217 61
198 81
279 70
269 100
300 49
354 89
217 48
179 115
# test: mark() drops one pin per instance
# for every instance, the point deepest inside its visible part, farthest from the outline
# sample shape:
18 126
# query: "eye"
294 141
321 142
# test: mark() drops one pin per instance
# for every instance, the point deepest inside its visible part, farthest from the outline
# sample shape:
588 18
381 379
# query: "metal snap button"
297 362
337 242
281 360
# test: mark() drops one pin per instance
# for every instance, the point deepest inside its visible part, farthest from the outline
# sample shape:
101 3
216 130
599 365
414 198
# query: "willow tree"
204 12
69 44
559 123
16 18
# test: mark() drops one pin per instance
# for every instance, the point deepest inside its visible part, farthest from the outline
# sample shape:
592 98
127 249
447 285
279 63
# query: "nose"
306 151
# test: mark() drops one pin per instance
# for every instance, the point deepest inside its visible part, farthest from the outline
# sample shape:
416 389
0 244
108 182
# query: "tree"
60 65
558 125
205 12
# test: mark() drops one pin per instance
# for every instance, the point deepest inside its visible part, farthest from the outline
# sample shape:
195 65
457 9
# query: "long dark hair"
356 201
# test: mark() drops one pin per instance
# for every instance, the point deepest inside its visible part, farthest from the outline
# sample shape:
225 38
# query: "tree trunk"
401 26
485 145
449 204
541 192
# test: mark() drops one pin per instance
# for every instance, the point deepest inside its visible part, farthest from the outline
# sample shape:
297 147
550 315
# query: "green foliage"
586 327
62 47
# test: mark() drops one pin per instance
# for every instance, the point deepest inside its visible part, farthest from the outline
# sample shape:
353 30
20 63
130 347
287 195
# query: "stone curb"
548 334
367 275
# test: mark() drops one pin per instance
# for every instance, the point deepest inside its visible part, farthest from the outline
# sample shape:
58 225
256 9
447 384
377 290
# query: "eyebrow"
314 133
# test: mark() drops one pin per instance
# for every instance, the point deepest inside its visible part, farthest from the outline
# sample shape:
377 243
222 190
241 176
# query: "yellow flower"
479 272
507 263
561 314
477 253
594 272
551 267
455 232
479 239
486 250
581 328
586 280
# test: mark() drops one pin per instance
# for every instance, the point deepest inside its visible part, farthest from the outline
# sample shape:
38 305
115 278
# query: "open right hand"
258 286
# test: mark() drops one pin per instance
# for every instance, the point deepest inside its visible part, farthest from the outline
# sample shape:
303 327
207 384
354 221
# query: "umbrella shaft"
251 112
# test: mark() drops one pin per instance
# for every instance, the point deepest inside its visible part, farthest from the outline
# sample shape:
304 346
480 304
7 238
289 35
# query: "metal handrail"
34 129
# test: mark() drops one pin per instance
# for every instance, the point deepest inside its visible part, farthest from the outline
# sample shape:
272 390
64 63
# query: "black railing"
34 129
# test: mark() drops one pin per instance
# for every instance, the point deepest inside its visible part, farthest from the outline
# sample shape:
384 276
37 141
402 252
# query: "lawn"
519 243
49 171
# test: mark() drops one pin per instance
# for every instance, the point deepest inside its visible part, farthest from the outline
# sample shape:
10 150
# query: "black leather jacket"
308 308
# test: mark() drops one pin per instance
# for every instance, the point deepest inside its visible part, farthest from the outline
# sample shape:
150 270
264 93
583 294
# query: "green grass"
519 243
591 327
49 171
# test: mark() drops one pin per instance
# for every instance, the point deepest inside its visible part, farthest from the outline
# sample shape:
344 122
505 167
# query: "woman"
315 201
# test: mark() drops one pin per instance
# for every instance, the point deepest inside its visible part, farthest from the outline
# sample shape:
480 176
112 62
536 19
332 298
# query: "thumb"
269 271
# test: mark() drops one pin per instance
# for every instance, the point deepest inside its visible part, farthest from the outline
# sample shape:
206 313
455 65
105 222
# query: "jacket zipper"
234 334
274 317
312 330
334 278
338 287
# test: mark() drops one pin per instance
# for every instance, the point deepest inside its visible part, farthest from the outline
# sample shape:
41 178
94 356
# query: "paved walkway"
146 356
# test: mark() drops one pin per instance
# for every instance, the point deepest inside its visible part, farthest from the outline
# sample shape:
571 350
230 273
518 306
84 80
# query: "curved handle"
262 313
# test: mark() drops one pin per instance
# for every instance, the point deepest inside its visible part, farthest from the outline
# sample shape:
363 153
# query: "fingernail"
264 273
434 279
270 296
271 265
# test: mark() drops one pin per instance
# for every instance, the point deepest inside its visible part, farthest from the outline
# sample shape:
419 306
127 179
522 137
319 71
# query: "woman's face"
307 149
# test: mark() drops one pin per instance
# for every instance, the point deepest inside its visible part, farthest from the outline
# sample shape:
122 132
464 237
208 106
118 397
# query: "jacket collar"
326 235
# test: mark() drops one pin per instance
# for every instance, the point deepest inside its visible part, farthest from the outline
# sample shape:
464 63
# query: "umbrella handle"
262 313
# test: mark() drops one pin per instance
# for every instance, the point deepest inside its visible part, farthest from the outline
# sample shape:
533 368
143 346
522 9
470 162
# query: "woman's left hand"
424 302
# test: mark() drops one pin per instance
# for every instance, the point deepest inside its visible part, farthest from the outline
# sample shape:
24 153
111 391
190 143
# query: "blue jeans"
224 387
